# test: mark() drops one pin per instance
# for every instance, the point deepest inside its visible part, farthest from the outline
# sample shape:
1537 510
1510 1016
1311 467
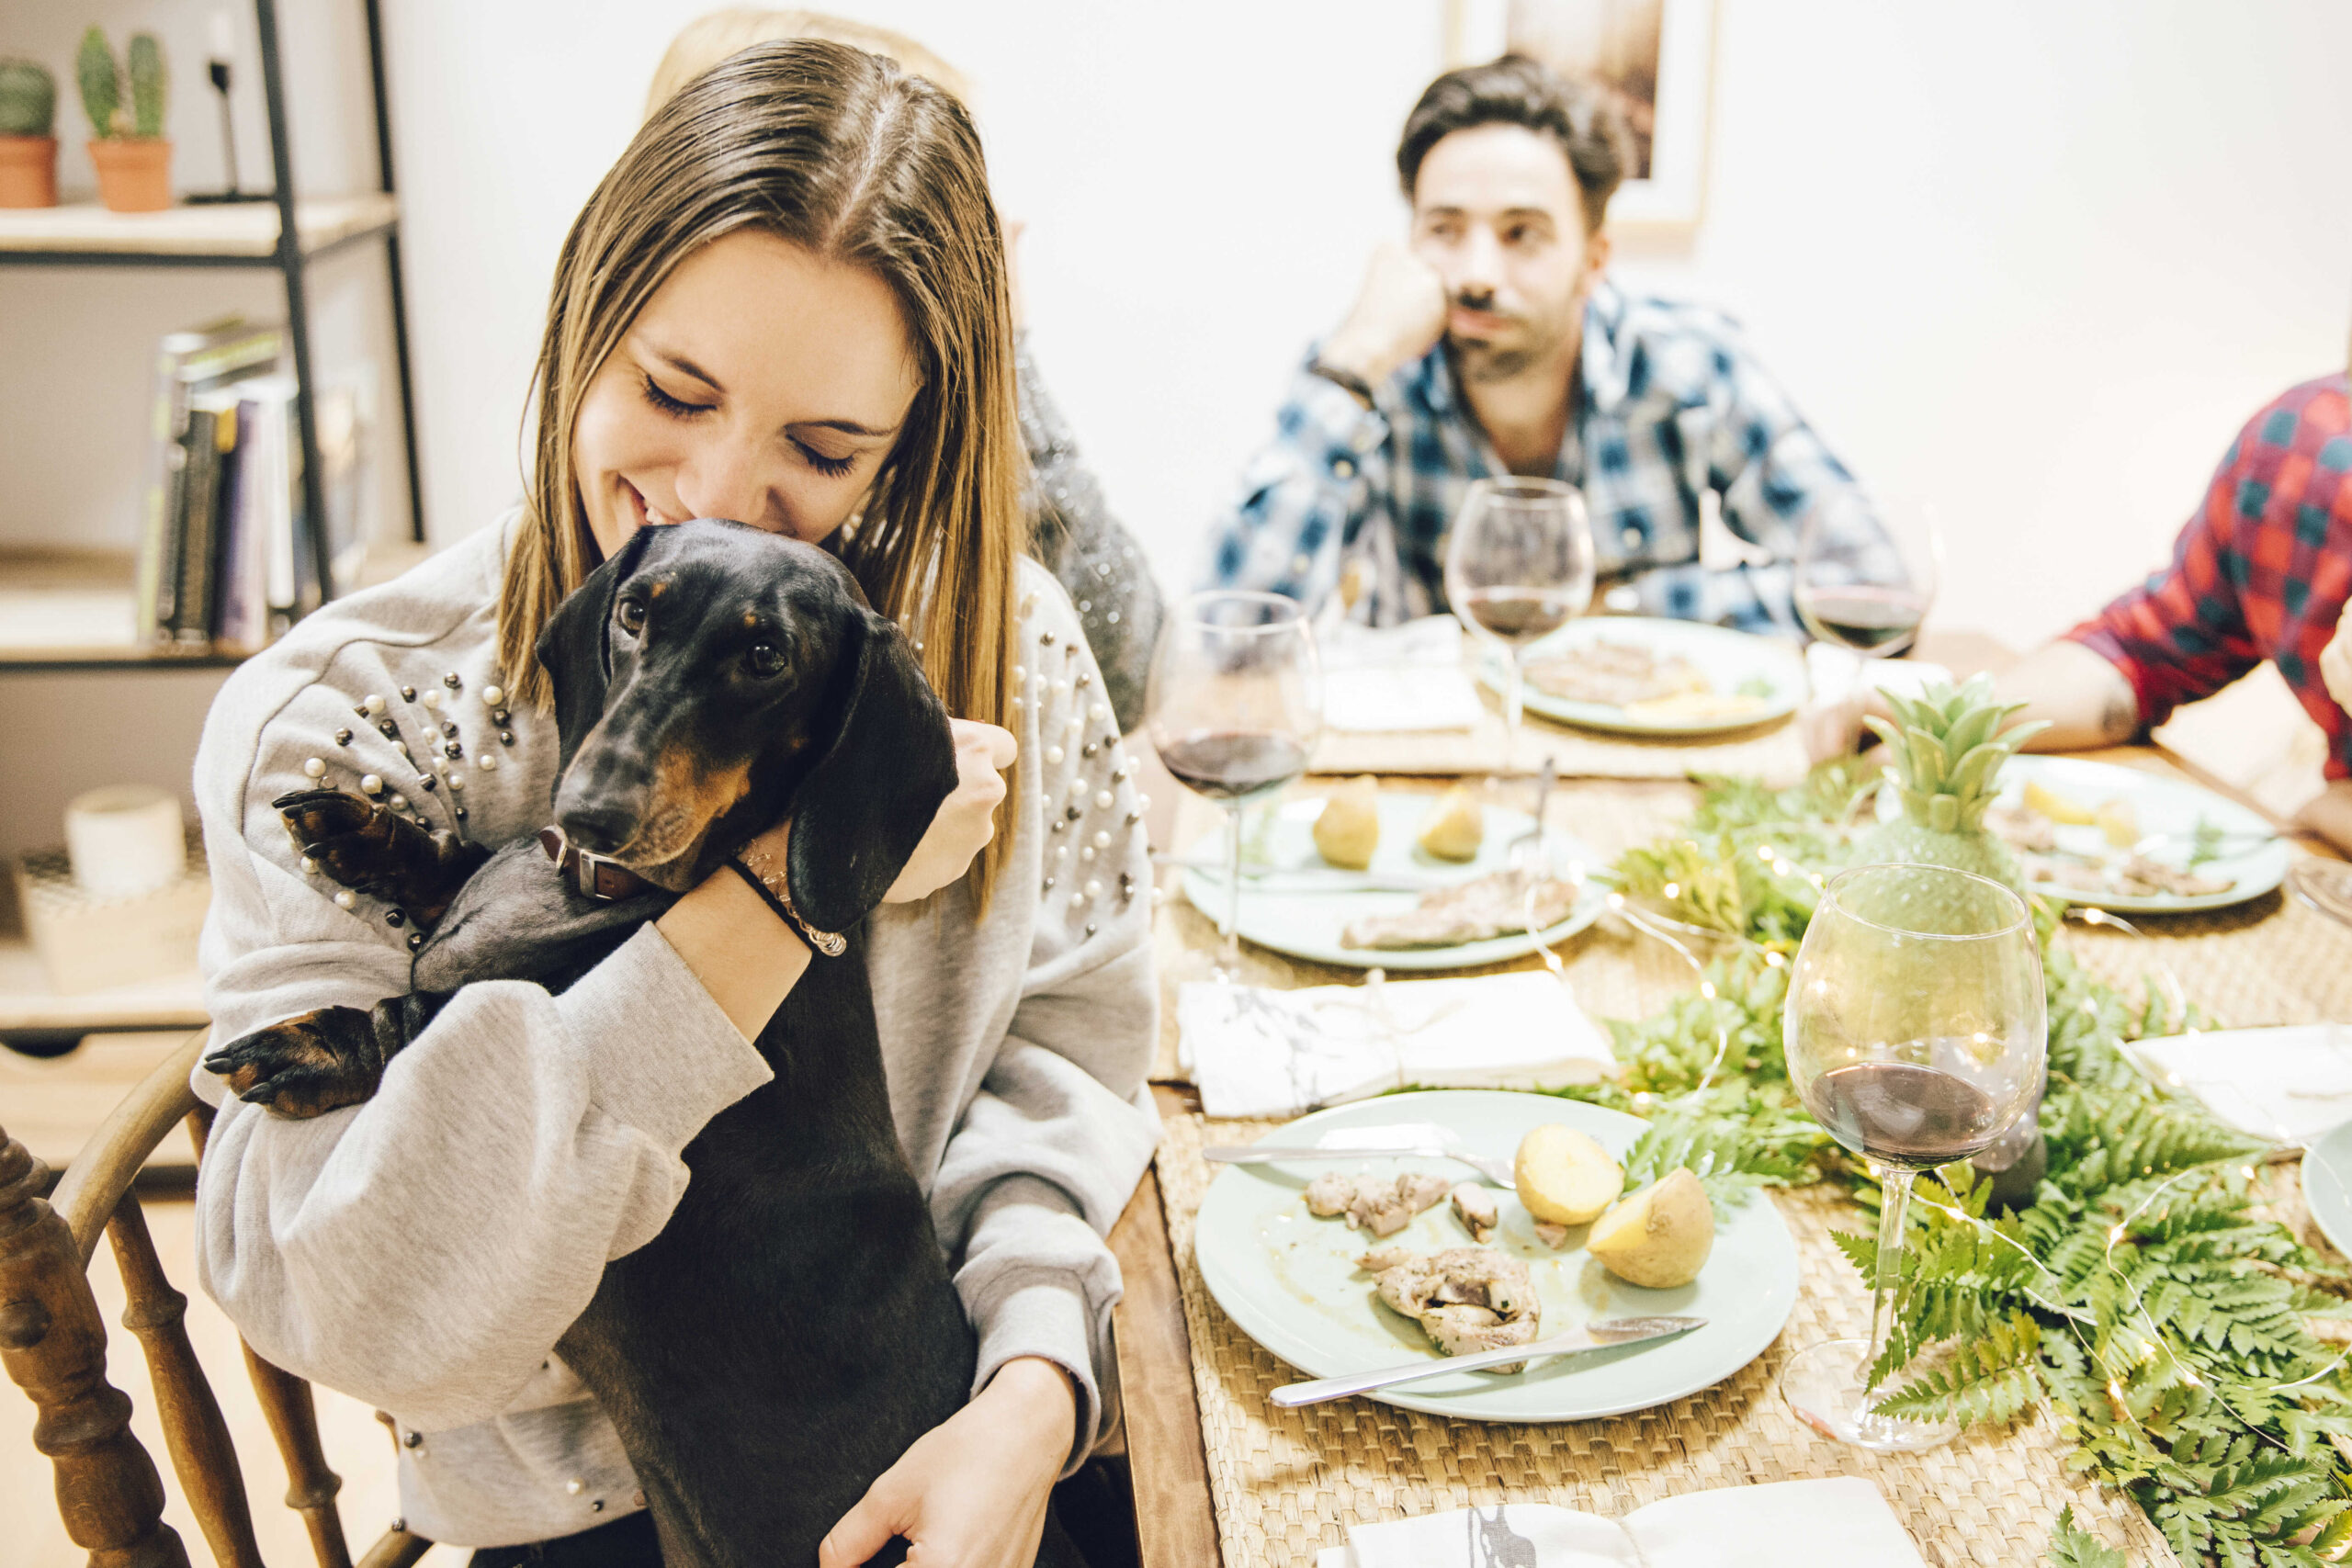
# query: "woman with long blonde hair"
786 304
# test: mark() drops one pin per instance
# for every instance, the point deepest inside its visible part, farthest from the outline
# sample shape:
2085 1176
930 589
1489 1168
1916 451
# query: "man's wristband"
1347 381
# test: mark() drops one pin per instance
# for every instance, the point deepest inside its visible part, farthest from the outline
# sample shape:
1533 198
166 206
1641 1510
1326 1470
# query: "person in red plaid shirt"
2262 571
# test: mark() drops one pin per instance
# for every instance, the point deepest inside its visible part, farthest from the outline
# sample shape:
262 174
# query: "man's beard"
1478 361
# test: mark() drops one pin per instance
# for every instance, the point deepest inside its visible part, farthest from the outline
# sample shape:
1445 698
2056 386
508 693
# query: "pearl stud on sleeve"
314 768
344 898
371 783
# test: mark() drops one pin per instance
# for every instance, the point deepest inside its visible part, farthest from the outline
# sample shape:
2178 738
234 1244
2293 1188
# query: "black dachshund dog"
793 1329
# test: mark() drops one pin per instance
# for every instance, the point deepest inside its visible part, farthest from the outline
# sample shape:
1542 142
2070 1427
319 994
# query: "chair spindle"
193 1428
53 1343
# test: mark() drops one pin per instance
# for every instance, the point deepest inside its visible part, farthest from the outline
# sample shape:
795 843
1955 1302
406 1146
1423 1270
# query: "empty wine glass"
1917 1033
1518 567
2324 885
1236 704
1865 579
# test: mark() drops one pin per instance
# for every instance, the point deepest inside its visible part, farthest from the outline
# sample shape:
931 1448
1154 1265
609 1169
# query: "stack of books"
225 557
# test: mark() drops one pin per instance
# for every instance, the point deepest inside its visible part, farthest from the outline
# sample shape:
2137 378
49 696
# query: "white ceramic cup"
125 839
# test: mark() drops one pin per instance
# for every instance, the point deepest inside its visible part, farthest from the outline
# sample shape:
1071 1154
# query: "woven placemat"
2270 960
1775 753
1288 1482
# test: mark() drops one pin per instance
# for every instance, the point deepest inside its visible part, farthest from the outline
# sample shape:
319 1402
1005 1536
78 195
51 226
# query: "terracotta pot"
28 171
134 174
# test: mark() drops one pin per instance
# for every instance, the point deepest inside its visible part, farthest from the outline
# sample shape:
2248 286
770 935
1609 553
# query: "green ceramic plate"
1290 1281
1307 925
2327 1187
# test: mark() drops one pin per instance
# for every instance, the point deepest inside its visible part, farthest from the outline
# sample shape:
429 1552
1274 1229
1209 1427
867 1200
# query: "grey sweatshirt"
425 1250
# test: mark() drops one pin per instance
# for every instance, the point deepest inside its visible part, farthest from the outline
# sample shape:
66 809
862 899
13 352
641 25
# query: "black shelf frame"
291 261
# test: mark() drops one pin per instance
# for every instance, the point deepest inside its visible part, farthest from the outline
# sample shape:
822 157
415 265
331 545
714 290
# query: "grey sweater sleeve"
425 1250
1050 1149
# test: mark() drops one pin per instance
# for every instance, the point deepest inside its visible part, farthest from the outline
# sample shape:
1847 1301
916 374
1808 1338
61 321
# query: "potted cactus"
134 161
28 140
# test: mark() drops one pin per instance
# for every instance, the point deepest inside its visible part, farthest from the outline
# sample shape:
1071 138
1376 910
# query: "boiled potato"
1564 1177
1659 1236
2057 808
2120 822
1347 828
1454 827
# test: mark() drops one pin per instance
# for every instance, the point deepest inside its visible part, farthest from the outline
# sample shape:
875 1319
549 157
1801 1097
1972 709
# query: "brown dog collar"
593 875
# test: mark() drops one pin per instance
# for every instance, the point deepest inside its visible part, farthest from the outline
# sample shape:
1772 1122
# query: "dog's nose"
598 829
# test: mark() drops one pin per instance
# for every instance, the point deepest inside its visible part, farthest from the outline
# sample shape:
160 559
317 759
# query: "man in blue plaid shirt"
1494 345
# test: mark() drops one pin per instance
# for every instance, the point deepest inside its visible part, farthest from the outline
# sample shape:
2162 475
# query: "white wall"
2032 263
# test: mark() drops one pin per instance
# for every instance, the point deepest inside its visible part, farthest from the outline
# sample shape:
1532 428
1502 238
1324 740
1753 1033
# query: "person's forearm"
2088 701
745 956
2329 815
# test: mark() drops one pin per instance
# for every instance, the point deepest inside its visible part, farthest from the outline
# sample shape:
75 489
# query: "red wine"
1518 615
1877 619
1233 765
1902 1114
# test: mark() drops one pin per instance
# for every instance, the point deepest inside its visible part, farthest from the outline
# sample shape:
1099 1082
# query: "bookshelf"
65 608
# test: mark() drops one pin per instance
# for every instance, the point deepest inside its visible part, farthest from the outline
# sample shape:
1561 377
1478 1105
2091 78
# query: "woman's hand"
967 820
972 1492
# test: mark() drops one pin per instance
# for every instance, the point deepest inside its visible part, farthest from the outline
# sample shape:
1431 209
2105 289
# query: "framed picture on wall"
1656 57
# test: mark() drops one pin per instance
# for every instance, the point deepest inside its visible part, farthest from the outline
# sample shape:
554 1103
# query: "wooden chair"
52 1343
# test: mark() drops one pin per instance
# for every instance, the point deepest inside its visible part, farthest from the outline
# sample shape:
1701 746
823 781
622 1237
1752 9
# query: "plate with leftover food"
1638 675
2115 838
1353 1265
1361 877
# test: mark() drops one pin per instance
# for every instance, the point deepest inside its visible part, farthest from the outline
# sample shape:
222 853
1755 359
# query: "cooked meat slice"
2148 878
2027 831
1613 674
1475 1207
1552 1235
1464 1298
1494 905
1381 1204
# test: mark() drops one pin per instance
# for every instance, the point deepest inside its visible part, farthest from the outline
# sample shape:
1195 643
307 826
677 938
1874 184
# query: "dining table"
1221 1475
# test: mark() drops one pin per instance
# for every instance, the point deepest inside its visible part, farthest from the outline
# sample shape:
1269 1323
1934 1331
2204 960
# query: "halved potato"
1455 826
1565 1178
1659 1236
1348 828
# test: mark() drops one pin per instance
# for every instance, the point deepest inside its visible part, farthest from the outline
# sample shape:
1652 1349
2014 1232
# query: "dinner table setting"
1638 1091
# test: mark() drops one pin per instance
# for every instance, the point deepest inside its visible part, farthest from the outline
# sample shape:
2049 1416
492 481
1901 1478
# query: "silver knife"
1598 1336
1497 1171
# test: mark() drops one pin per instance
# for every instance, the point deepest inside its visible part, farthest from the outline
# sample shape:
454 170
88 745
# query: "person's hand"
967 820
2335 661
972 1492
1398 316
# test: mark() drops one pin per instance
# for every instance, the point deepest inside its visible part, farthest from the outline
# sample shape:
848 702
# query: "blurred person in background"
1493 343
2262 570
1072 530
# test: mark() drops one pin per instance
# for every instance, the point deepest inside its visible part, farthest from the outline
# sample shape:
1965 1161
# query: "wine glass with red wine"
1865 580
1236 705
1915 1033
1518 567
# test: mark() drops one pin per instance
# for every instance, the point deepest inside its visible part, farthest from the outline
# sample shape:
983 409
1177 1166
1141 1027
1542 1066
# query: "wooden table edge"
1166 1459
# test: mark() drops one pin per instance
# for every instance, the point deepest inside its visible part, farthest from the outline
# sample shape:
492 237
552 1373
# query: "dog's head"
712 677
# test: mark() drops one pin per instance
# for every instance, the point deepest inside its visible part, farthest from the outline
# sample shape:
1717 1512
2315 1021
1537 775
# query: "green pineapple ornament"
1945 752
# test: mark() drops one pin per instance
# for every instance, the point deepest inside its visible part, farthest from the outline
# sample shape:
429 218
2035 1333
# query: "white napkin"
2291 1084
1838 1523
1397 678
1253 1052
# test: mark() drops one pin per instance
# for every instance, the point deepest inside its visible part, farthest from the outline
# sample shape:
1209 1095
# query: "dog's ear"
575 649
859 813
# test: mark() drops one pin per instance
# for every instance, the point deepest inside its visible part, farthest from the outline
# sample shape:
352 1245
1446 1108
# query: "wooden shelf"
240 234
72 609
29 1006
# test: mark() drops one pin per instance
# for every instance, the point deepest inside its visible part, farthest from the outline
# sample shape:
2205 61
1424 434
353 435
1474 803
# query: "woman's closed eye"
832 468
676 408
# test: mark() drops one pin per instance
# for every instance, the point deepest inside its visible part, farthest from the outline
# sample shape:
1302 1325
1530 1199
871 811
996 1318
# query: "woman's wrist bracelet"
776 893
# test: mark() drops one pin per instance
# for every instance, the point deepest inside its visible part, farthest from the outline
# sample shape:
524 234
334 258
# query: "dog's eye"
631 616
765 661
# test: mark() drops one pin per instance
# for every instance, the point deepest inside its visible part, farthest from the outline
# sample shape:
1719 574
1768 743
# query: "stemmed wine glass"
1917 1033
1236 704
1518 567
1864 578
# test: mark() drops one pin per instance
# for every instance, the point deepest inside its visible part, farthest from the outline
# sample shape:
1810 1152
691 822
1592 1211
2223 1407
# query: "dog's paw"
305 1067
347 837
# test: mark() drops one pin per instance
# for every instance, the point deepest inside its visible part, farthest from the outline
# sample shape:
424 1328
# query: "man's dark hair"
1516 90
